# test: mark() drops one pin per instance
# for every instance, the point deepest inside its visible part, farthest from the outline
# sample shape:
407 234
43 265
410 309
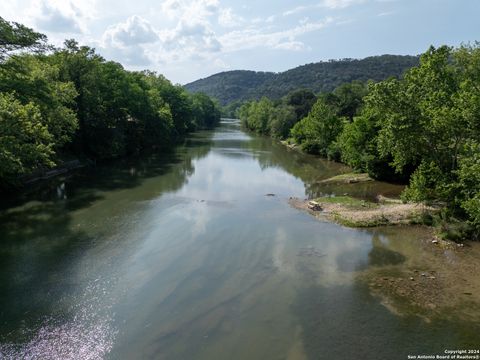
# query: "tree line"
59 103
422 129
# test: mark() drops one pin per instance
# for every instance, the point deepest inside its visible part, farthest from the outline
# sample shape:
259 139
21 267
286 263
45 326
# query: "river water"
185 257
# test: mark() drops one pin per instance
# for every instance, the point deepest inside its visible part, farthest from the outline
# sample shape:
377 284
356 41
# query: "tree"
348 98
34 79
25 143
256 115
319 129
206 113
15 37
421 121
283 118
301 101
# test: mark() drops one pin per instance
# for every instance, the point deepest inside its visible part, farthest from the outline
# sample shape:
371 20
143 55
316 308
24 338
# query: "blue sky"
189 39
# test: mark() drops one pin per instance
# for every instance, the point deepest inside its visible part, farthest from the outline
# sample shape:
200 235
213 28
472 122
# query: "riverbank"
444 279
353 212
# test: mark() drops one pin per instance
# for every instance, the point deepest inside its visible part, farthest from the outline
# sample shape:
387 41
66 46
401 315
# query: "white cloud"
330 4
340 4
59 16
387 13
286 39
296 10
191 39
227 18
134 31
291 46
219 63
126 41
190 9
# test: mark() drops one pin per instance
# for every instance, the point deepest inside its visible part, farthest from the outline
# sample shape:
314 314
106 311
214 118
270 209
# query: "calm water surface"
186 258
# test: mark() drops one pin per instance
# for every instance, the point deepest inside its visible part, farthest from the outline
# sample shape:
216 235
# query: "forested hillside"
66 103
325 76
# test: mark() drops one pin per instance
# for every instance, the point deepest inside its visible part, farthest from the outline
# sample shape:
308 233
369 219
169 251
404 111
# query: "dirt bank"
359 213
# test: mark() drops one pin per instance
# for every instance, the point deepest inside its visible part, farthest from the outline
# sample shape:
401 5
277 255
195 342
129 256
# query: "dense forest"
237 86
59 104
423 129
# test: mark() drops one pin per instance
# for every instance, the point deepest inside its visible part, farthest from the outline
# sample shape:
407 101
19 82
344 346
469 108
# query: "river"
186 257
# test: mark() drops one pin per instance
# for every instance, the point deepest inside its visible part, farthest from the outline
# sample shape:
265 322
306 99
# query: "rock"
460 245
423 274
412 279
435 241
432 277
313 205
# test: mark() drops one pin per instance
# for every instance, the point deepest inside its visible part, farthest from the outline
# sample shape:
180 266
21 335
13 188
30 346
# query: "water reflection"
184 257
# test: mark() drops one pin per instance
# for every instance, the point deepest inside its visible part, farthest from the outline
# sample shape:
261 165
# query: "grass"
349 178
356 223
347 201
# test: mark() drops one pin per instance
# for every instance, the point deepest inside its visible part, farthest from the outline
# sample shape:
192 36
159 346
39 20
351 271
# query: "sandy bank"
358 213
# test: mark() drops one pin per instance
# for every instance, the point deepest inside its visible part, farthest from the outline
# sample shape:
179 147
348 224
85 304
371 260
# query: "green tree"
15 37
282 119
319 129
206 113
25 143
256 115
34 79
301 101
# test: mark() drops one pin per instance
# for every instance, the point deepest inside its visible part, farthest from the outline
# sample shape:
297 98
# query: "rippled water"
184 257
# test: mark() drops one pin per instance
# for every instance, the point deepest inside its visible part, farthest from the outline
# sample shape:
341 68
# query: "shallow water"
184 257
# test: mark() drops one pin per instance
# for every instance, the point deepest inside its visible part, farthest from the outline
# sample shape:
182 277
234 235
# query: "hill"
323 76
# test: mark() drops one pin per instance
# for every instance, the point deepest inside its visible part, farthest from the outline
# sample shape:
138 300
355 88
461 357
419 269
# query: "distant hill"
323 76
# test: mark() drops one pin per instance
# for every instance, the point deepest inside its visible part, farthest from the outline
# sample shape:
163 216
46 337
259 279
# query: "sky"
190 39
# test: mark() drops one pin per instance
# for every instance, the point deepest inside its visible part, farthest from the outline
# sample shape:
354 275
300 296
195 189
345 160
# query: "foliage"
33 79
15 37
205 111
25 142
423 129
256 116
348 98
316 132
282 119
468 189
302 101
73 102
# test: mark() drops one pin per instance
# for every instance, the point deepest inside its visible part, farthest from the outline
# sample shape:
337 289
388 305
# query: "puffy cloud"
57 17
134 31
127 41
191 38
